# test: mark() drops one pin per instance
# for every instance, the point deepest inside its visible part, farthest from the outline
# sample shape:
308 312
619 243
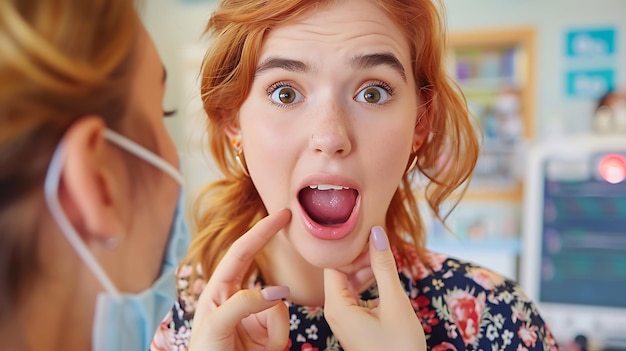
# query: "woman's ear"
231 129
89 189
422 126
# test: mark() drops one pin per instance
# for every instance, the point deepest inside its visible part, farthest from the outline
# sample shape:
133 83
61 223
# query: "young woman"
322 115
91 226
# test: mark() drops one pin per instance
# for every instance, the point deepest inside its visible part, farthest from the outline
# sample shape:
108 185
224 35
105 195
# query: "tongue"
328 207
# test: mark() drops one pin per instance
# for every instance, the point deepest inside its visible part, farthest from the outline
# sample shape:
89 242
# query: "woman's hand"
391 324
228 318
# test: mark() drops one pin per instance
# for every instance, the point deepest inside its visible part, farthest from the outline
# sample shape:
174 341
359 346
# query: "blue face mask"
125 322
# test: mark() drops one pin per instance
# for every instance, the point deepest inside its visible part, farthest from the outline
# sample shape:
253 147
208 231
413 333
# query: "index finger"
384 267
240 255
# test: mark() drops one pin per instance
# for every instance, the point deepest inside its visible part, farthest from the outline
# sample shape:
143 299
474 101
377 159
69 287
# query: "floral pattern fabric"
461 306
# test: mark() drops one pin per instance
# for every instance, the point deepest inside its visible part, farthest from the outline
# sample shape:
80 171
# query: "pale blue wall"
551 19
177 23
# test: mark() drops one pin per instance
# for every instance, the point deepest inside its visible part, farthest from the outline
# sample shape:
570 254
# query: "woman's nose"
331 134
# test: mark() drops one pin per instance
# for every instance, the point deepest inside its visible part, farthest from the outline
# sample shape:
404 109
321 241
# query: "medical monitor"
573 262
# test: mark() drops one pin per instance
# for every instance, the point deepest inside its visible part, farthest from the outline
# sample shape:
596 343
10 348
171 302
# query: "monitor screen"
573 254
583 244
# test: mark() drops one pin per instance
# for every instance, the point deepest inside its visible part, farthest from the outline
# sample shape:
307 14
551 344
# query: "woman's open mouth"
329 210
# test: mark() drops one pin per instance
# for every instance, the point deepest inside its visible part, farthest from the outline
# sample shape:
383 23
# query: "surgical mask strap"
144 154
51 188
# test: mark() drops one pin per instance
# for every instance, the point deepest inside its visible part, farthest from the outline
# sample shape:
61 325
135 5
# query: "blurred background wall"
178 24
561 56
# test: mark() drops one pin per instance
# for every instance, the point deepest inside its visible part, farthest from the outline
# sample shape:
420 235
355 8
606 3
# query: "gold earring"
236 143
239 156
242 163
412 160
411 164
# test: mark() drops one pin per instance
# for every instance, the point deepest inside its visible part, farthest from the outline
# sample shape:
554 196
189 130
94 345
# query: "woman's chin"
322 253
329 257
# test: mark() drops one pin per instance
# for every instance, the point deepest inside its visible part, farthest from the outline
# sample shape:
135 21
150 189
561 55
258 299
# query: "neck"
51 318
55 311
281 264
288 268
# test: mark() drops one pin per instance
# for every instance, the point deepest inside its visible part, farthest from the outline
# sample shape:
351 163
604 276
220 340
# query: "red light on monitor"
613 168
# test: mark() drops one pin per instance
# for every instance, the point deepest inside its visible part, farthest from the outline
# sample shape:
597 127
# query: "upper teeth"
328 187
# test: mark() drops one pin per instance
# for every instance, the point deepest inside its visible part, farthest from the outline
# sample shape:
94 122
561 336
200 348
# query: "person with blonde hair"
90 191
330 121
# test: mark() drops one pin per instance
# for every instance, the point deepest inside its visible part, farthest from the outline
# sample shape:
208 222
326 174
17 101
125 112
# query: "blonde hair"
229 207
59 60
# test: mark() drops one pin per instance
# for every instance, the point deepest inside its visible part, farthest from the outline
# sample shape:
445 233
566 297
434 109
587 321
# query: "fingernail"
379 238
273 293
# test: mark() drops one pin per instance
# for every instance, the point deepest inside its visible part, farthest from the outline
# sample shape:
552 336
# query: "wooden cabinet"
495 69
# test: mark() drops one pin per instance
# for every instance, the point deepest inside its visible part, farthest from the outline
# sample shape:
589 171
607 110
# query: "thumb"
336 290
274 331
384 266
341 310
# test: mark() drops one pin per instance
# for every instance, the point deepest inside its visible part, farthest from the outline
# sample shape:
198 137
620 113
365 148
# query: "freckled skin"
335 130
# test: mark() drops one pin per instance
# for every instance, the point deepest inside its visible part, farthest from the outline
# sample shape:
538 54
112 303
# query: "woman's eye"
373 95
169 113
286 95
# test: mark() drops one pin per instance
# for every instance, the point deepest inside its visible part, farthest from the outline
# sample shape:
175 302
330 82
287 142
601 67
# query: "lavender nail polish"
273 293
379 237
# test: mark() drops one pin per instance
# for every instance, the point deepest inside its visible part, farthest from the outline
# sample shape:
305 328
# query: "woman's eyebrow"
359 62
373 60
283 63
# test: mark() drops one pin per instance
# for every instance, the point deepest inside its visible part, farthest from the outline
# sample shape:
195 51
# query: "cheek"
270 156
389 152
159 140
169 152
386 161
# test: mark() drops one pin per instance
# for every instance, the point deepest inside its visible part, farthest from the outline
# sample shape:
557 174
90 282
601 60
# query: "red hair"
229 207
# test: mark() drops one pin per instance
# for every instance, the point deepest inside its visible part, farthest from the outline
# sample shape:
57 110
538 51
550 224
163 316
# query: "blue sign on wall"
590 83
590 42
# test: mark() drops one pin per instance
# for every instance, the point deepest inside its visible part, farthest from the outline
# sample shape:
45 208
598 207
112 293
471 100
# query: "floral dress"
461 306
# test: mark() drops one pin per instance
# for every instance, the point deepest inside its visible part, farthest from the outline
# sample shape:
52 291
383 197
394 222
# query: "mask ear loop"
144 154
51 188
